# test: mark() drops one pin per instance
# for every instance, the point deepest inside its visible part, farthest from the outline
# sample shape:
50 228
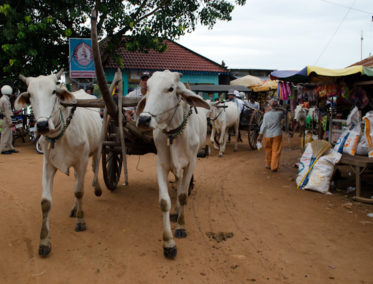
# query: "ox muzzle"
144 120
42 126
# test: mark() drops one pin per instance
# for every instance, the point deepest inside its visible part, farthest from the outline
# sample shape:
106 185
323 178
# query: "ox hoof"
98 192
80 227
44 250
173 218
180 233
220 155
170 253
73 213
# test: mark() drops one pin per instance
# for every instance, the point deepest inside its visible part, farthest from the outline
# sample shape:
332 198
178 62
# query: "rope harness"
52 140
172 134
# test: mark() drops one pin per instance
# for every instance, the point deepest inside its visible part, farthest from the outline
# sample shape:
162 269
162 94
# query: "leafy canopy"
34 34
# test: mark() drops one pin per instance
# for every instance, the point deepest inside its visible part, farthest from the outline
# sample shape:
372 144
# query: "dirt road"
274 233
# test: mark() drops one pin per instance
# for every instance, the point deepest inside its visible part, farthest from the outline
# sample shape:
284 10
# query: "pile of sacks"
315 172
353 140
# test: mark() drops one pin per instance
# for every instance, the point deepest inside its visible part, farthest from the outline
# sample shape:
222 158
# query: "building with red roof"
196 69
367 62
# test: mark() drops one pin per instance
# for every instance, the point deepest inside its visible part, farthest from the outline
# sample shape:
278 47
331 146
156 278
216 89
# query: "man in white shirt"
252 103
137 93
6 113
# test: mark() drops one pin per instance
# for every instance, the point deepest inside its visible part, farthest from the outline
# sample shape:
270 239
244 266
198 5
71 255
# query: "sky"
288 35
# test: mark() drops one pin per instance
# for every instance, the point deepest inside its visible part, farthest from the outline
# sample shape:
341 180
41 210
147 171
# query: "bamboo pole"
120 120
99 152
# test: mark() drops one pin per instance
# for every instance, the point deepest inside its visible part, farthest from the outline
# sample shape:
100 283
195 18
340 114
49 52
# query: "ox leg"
77 210
46 205
236 132
169 246
222 141
95 167
182 197
212 138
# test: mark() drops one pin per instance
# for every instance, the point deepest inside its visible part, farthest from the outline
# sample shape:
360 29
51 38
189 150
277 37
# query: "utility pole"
361 46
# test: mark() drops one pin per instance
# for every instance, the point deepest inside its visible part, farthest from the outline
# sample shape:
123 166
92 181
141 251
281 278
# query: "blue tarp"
291 75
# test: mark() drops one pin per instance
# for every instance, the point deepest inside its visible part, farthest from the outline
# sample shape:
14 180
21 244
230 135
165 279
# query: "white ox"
223 115
65 144
179 133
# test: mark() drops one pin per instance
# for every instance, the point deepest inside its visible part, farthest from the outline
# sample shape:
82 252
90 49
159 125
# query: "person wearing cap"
137 93
6 113
234 96
252 103
271 130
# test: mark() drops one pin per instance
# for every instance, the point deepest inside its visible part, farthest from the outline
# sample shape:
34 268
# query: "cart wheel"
256 119
111 167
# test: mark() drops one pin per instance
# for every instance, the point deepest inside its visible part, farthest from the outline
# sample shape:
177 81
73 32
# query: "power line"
350 8
333 35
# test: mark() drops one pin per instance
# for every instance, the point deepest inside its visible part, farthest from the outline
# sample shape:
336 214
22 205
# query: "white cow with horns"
223 115
70 137
179 131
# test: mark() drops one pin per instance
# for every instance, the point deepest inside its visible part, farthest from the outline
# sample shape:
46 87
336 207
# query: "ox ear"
191 97
64 95
22 101
140 106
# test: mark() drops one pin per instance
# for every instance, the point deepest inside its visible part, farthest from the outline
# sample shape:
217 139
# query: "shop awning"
296 76
315 73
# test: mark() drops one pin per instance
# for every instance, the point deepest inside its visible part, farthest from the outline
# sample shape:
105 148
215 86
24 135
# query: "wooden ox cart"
119 136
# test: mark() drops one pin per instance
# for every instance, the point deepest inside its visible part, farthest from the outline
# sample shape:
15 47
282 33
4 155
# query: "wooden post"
99 152
121 134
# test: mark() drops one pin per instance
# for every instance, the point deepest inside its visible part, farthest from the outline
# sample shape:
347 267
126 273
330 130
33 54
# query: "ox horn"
59 73
24 79
101 80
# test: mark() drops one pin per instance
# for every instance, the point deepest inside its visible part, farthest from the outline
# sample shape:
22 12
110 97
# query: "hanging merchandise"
344 91
359 97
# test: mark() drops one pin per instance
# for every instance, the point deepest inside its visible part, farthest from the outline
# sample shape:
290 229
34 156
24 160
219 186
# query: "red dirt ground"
278 234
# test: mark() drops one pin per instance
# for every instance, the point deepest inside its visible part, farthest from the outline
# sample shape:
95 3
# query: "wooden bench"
359 164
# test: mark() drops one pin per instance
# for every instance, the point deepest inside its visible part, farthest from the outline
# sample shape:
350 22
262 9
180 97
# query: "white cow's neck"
176 118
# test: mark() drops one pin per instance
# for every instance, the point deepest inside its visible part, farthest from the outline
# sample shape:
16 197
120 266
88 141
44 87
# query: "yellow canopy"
266 86
335 72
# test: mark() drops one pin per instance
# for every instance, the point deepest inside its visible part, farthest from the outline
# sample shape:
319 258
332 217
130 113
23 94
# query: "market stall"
333 94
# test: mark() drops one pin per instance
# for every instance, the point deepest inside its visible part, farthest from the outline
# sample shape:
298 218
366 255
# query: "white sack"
305 163
321 173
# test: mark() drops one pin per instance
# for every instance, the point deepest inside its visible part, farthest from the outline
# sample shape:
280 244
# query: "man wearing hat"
271 129
6 113
137 93
234 96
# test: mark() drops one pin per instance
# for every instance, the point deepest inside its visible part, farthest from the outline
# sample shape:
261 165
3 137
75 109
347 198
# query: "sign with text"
81 58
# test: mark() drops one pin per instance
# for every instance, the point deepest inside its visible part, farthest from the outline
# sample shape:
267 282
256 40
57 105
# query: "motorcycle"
33 136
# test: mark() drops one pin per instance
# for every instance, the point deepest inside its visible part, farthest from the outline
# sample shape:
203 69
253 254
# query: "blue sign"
81 58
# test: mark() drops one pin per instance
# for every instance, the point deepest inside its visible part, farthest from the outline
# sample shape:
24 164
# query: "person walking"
6 140
271 130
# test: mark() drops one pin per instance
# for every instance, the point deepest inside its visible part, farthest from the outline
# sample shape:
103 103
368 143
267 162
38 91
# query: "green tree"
34 34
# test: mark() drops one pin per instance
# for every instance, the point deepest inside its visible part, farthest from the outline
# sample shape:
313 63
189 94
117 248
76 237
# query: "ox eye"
171 89
54 91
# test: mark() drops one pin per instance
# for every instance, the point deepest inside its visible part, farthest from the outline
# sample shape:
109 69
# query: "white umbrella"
247 81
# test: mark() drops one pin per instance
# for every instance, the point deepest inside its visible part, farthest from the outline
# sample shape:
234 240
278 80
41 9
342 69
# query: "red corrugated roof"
367 62
176 58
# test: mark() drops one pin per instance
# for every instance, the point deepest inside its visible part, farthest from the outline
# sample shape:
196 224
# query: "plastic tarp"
290 75
315 73
335 72
368 71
